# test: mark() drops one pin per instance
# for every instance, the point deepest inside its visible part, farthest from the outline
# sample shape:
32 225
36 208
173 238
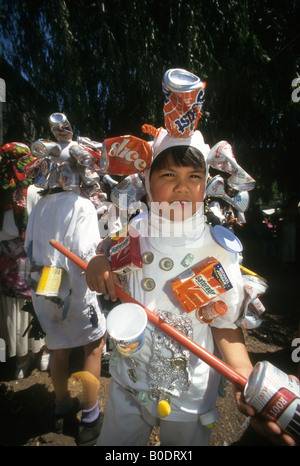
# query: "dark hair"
184 156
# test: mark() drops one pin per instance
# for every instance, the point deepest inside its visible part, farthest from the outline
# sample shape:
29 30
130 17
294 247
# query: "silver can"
81 156
43 148
275 396
68 177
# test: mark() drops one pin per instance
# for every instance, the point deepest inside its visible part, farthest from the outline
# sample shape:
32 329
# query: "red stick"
180 337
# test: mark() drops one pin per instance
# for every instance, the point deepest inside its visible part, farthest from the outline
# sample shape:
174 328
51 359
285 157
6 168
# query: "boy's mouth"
180 201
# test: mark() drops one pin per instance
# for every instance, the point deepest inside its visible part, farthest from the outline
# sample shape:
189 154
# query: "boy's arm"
100 278
232 347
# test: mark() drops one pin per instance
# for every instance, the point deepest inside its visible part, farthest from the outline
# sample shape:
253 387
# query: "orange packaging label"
181 110
200 284
126 155
125 251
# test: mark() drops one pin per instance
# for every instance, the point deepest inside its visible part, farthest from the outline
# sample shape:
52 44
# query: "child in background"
71 316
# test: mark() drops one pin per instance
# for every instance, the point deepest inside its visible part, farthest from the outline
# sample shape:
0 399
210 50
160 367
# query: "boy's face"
181 186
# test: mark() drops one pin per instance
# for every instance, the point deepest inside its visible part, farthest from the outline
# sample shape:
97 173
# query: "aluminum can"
68 178
128 191
125 155
89 176
184 97
43 172
44 148
81 156
275 396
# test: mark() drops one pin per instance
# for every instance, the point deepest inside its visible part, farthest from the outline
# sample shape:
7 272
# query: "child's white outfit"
73 318
163 366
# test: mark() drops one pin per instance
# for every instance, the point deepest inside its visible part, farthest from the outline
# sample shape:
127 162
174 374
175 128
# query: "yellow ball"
163 408
210 426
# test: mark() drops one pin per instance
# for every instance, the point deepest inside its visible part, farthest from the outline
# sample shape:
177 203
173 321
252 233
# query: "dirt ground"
26 406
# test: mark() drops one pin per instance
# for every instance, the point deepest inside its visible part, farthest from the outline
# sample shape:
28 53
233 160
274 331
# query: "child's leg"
92 364
59 370
91 419
123 423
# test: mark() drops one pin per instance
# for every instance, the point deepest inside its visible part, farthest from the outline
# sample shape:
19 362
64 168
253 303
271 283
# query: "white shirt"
71 220
152 365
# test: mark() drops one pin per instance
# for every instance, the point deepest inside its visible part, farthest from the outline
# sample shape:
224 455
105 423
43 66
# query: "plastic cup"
126 325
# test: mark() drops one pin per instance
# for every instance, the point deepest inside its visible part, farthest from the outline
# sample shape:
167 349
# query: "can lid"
254 381
181 80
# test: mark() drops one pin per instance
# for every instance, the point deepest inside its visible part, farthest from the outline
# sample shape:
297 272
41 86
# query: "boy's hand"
267 429
100 278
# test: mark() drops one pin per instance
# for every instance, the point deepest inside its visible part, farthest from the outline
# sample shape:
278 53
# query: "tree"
103 61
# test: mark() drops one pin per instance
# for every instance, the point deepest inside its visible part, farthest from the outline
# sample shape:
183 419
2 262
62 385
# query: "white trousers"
126 423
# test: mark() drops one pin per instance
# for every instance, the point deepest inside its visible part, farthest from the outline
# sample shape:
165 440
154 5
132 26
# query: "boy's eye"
168 174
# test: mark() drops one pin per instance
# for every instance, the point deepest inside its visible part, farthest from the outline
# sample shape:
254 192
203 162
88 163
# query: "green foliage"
103 61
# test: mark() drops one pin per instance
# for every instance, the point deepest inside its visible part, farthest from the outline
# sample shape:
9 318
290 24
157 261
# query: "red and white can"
125 155
184 97
275 396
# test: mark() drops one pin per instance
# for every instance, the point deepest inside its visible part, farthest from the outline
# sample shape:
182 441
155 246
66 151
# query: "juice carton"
201 283
125 251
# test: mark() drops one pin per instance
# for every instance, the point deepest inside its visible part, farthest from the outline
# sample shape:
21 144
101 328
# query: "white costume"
71 220
163 367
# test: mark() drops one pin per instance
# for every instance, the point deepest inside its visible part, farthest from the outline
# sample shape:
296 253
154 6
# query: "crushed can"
184 97
125 155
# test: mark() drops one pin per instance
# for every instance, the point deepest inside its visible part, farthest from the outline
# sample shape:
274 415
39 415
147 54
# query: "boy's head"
178 179
178 172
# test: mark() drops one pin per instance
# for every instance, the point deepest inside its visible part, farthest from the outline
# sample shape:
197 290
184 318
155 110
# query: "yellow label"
49 282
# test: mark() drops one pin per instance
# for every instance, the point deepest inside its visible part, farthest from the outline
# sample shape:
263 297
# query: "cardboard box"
125 251
200 284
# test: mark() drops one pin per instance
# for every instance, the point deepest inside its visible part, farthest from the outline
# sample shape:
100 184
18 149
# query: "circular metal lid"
181 80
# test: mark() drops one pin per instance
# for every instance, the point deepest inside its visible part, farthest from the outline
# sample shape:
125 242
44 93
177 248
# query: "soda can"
81 156
68 177
275 396
129 190
184 97
43 173
60 127
89 176
44 148
125 155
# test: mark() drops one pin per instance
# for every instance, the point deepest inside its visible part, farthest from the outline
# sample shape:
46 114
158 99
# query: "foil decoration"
170 375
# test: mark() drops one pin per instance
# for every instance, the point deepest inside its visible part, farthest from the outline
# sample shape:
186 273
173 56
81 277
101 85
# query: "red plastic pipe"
210 359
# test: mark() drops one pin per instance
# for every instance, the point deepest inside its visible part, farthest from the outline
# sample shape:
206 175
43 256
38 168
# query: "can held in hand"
275 396
184 97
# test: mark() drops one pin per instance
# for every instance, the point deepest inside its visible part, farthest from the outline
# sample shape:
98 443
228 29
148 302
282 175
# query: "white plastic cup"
126 325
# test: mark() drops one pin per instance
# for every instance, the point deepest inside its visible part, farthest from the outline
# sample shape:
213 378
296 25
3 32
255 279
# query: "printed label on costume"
200 283
49 282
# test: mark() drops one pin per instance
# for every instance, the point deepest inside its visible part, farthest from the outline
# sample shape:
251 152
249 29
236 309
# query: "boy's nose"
181 187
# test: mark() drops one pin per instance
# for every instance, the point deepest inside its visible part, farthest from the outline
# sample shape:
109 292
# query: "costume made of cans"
163 369
68 312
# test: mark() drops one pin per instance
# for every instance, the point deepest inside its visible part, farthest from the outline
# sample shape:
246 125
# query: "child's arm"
100 278
233 350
